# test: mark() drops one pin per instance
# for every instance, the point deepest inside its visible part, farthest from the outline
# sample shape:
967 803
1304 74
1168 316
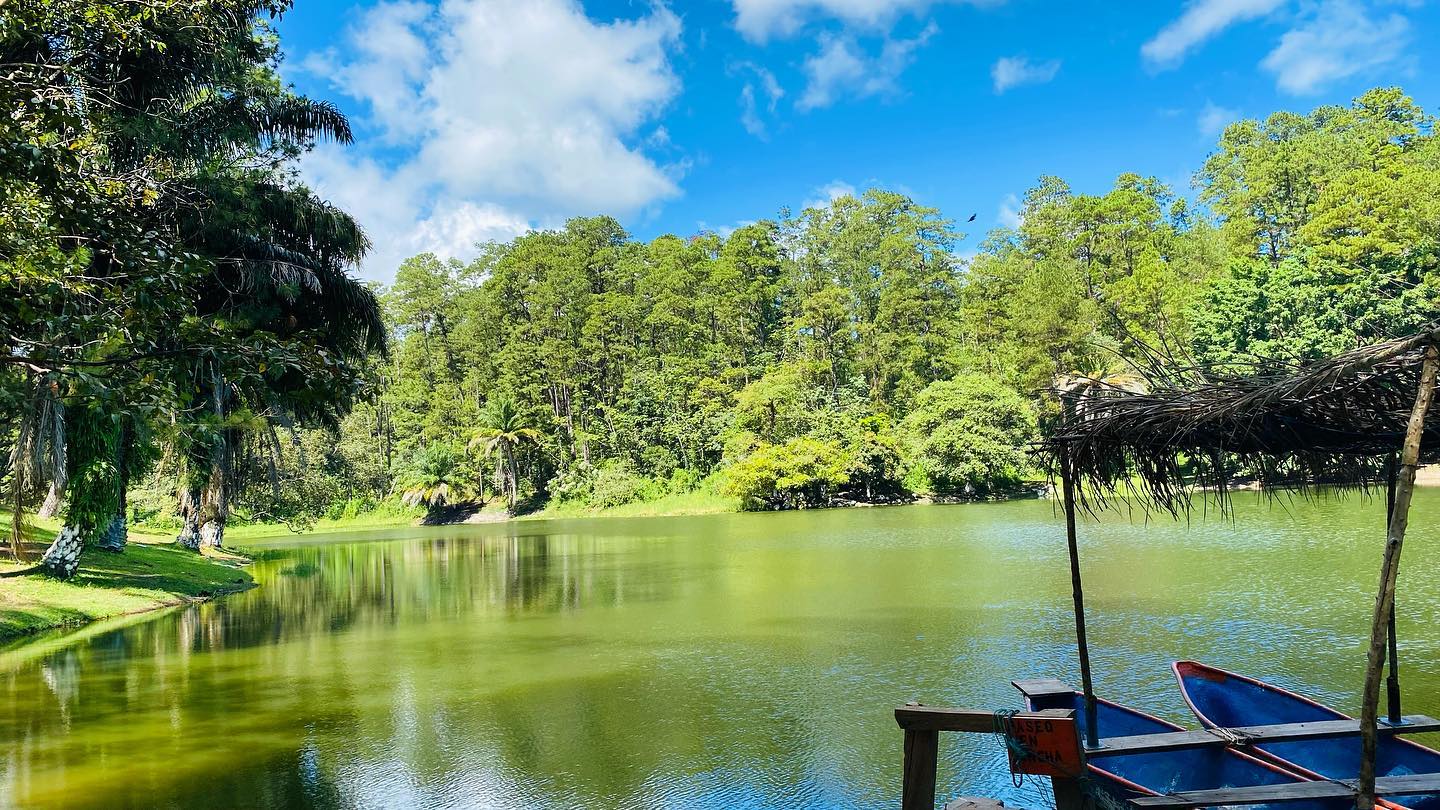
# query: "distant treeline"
851 352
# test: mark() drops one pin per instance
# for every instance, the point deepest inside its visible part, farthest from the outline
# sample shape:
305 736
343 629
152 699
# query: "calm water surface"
733 661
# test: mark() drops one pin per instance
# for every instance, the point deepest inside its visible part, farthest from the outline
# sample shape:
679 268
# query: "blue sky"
478 119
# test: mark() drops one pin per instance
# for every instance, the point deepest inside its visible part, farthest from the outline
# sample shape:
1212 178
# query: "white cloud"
828 193
758 20
759 81
387 56
1013 71
1338 40
1009 212
722 231
1201 20
1213 119
842 67
400 213
498 115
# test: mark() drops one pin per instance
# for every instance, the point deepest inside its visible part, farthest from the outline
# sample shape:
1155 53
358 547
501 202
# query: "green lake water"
729 661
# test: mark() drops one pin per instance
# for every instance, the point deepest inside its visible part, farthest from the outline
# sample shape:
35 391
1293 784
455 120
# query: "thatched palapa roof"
1336 421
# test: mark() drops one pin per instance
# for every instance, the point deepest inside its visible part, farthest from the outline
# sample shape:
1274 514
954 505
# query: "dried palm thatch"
1336 421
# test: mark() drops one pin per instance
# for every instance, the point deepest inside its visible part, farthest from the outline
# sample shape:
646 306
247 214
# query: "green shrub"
875 461
971 434
800 473
436 476
611 483
350 508
682 480
616 484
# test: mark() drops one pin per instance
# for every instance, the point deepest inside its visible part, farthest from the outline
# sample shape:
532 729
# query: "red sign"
1051 745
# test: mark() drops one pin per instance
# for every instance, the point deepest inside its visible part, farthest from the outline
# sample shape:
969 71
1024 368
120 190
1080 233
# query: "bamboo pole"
1393 714
1389 570
1077 592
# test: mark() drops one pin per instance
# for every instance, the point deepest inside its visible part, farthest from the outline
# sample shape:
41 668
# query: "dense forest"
187 345
853 353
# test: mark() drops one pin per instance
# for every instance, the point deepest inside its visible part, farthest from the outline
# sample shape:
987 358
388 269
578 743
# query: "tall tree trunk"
450 365
215 506
51 506
511 473
212 533
1389 570
189 536
213 509
114 536
382 430
17 515
62 558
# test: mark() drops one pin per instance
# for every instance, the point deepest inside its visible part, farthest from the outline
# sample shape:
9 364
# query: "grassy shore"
373 520
152 573
685 503
676 505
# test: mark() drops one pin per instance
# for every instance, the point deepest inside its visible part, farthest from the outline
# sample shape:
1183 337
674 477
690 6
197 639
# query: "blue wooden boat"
1225 699
1130 775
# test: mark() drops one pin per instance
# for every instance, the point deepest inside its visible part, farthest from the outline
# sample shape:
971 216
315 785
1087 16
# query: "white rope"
1232 736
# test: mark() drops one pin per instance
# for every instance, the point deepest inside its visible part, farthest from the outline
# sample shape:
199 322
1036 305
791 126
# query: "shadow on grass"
464 512
144 577
161 568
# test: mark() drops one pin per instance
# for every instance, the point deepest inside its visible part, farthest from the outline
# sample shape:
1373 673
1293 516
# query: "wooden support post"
1069 790
1069 793
1077 592
1389 570
922 753
1393 714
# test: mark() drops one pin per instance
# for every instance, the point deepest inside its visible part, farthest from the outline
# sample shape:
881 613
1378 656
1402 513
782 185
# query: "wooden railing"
922 726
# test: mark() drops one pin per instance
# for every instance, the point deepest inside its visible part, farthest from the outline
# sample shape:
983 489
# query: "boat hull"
1220 698
1152 774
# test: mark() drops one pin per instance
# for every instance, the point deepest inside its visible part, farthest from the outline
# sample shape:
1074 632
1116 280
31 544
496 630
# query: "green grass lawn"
685 503
151 573
374 520
682 503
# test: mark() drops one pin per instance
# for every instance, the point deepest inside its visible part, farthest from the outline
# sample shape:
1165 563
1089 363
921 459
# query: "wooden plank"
933 718
1258 794
1046 693
1407 785
922 753
975 803
1257 735
1032 687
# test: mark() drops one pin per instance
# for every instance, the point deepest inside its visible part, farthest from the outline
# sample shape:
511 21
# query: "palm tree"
38 454
197 133
502 430
281 256
435 479
1083 391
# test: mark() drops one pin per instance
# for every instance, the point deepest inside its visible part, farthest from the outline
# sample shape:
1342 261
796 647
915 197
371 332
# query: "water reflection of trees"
336 588
633 671
504 673
165 697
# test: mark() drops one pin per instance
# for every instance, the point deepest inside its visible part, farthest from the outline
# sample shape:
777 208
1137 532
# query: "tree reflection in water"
729 661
